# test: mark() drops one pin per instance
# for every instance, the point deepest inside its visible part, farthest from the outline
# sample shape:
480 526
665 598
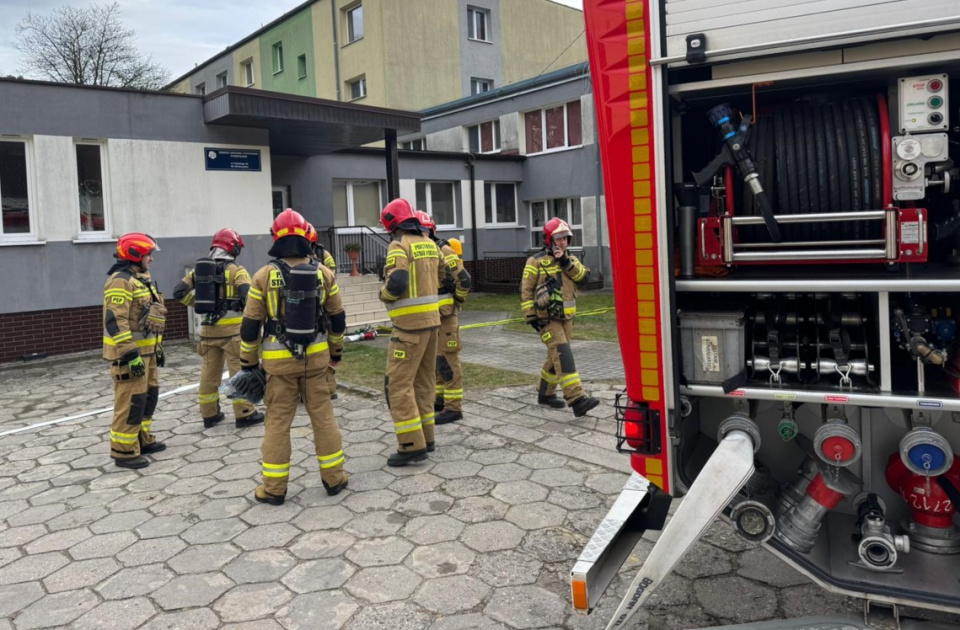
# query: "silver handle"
921 237
824 254
869 215
703 240
891 227
878 241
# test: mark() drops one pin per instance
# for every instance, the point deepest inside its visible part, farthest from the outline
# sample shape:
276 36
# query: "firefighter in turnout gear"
217 289
133 320
453 292
412 274
282 324
548 295
318 252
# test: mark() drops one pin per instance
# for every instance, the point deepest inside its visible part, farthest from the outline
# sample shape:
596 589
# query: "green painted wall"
296 34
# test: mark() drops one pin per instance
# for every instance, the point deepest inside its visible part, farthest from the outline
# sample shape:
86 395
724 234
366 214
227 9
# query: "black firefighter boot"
447 416
409 457
550 401
251 420
335 490
213 420
438 403
582 405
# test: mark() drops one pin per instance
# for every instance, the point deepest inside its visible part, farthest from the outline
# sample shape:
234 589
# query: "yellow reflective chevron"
208 398
548 377
255 294
428 418
406 426
124 438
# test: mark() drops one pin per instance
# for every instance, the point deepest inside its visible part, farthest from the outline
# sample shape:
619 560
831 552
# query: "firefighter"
133 320
320 253
412 276
217 289
453 292
287 300
549 302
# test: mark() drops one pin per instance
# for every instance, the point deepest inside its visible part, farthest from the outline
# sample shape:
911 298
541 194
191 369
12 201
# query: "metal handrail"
373 247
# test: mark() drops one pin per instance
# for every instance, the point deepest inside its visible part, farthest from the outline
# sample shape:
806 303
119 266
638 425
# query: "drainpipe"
336 48
473 216
596 145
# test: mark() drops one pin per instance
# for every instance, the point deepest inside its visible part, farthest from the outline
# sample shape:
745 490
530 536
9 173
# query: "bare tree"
86 46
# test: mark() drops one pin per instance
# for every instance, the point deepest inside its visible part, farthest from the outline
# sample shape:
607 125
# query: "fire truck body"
783 218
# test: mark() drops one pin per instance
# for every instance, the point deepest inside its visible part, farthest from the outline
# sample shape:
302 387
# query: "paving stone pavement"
481 536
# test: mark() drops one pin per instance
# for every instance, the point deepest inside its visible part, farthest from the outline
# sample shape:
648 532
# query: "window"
302 67
201 89
16 211
222 80
281 199
437 200
420 144
554 128
500 203
356 202
278 57
485 137
479 86
357 88
477 24
355 23
567 209
90 189
247 72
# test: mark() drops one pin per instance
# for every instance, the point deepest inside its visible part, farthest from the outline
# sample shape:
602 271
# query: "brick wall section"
502 275
68 330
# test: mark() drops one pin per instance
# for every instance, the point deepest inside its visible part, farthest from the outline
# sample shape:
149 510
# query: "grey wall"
61 110
67 275
481 59
208 75
563 174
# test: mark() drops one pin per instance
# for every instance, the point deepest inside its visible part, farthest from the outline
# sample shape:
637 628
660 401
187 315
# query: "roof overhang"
301 125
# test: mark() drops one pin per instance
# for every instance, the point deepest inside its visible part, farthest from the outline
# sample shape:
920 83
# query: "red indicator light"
935 86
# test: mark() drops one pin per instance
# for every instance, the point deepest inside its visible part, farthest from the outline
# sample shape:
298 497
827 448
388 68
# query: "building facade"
400 54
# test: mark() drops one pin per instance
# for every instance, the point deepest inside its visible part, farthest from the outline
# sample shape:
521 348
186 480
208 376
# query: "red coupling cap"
838 449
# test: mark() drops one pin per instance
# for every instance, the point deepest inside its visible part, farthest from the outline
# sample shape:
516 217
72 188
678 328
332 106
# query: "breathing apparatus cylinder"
206 286
300 296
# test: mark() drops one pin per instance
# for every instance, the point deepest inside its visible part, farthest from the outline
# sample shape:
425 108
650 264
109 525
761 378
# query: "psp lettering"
644 584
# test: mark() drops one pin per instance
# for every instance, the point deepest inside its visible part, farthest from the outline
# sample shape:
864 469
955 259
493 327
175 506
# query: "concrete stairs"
361 301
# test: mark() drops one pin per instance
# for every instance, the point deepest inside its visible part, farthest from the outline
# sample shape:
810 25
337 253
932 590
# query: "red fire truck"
784 222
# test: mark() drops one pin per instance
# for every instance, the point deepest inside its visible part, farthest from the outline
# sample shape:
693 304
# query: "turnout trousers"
281 397
134 403
410 386
449 372
559 368
214 351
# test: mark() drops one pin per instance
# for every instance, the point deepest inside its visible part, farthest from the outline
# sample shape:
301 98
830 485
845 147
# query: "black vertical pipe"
393 166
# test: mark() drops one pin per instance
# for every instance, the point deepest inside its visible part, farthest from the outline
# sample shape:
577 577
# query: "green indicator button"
935 101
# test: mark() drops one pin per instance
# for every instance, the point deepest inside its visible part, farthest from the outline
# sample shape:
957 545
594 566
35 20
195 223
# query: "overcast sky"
176 33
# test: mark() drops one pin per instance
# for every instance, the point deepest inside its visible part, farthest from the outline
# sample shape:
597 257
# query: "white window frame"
535 229
496 136
493 205
428 202
543 129
248 77
302 75
417 144
351 217
107 231
222 80
349 11
277 54
473 13
200 89
362 82
32 215
476 82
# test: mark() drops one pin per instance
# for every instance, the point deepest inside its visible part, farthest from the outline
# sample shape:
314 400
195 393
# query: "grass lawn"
601 327
365 365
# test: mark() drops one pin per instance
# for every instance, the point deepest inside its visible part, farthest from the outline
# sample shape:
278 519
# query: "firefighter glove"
449 286
137 367
161 357
156 318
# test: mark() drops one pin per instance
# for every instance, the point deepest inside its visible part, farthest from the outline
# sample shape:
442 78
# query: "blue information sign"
232 159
